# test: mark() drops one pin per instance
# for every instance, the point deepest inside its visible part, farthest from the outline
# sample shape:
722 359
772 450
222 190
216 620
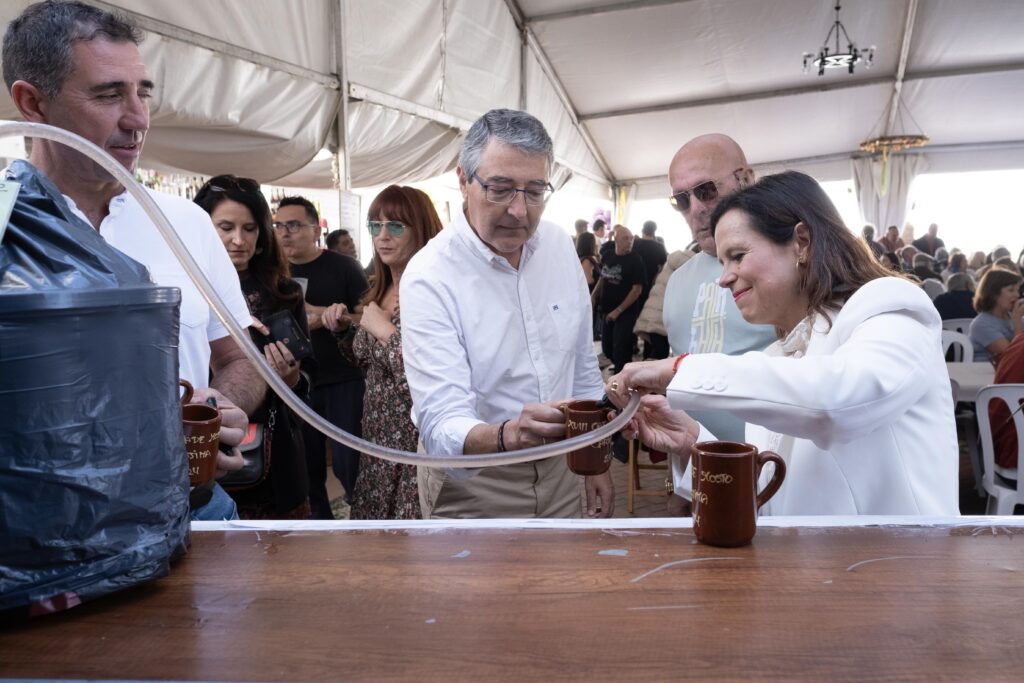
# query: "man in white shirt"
496 333
90 80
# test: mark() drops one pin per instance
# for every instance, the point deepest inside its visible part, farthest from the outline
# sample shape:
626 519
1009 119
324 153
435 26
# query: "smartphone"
285 329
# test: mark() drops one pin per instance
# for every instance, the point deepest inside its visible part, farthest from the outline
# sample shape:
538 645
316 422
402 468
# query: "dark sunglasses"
232 183
705 192
394 228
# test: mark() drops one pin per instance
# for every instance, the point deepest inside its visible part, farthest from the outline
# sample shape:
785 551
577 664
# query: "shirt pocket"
195 313
565 322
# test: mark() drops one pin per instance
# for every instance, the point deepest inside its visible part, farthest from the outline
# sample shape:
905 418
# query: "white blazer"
863 417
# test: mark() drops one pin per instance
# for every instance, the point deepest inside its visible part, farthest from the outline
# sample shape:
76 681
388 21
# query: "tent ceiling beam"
901 68
556 83
855 154
188 37
362 93
591 11
930 74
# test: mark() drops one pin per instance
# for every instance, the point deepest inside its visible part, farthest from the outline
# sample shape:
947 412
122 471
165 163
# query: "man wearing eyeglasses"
497 333
700 316
331 278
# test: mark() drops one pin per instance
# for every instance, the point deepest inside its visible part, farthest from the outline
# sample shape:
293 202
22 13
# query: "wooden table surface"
455 602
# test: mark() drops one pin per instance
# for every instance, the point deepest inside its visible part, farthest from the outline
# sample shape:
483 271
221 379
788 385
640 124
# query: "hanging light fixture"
828 58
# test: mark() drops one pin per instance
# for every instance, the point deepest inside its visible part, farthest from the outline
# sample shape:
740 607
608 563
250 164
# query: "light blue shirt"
701 317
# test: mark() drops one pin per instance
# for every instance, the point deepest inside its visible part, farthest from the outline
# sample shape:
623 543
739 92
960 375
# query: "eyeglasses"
394 228
503 194
291 227
705 192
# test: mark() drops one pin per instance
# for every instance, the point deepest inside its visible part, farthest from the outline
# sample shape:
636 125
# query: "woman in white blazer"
854 396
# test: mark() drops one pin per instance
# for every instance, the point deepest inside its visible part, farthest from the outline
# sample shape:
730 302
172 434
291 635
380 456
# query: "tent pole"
342 160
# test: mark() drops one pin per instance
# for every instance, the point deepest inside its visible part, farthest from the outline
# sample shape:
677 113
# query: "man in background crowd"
868 233
930 242
337 395
341 242
891 241
581 227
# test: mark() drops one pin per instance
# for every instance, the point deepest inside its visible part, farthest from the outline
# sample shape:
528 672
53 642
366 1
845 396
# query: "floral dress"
384 489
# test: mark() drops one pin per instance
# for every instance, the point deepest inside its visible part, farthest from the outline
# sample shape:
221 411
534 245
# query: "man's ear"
31 103
463 183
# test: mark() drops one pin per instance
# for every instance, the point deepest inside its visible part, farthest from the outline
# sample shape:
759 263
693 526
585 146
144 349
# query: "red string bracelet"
675 366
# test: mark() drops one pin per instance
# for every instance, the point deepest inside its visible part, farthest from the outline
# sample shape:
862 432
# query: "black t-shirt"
620 273
332 278
654 256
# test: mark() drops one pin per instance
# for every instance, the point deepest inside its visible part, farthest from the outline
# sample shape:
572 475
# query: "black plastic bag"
93 470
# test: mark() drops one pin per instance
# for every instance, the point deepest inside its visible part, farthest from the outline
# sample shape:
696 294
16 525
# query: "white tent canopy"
254 86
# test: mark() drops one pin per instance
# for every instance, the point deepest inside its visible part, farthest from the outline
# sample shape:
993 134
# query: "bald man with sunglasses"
700 316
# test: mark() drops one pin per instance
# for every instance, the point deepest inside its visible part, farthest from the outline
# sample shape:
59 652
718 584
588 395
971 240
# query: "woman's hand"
336 318
661 428
650 377
283 362
377 322
1016 314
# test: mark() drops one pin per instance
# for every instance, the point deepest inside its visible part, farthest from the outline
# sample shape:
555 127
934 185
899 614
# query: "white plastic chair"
1001 483
961 325
933 288
967 426
964 348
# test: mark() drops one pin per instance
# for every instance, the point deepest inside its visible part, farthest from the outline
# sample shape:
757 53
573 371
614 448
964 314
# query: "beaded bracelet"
501 436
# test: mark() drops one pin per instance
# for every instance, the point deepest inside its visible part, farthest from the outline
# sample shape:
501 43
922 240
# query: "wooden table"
971 377
590 600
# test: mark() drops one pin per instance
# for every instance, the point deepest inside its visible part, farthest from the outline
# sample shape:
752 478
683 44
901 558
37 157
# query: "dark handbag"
255 449
283 328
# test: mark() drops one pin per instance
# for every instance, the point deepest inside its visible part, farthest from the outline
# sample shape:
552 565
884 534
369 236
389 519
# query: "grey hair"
514 128
960 282
38 43
922 260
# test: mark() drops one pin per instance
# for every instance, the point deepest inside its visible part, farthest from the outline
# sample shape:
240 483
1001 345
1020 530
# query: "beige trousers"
543 488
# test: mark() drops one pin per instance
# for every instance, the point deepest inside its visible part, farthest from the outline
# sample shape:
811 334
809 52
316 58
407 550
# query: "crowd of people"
787 331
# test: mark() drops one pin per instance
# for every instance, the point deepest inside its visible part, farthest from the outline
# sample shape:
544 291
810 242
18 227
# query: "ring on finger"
614 386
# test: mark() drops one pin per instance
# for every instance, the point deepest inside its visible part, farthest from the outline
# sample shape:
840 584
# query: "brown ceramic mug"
200 424
725 497
583 417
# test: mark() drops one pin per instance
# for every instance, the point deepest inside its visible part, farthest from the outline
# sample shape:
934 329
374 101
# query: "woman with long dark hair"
854 395
241 215
401 220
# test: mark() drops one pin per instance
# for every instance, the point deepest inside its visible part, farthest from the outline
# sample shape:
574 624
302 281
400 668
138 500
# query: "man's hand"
600 496
233 423
537 424
612 316
314 316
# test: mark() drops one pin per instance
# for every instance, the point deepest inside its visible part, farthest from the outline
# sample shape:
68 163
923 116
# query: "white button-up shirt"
481 339
128 228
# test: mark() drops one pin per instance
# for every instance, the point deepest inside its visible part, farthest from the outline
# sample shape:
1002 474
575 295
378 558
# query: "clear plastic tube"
276 384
